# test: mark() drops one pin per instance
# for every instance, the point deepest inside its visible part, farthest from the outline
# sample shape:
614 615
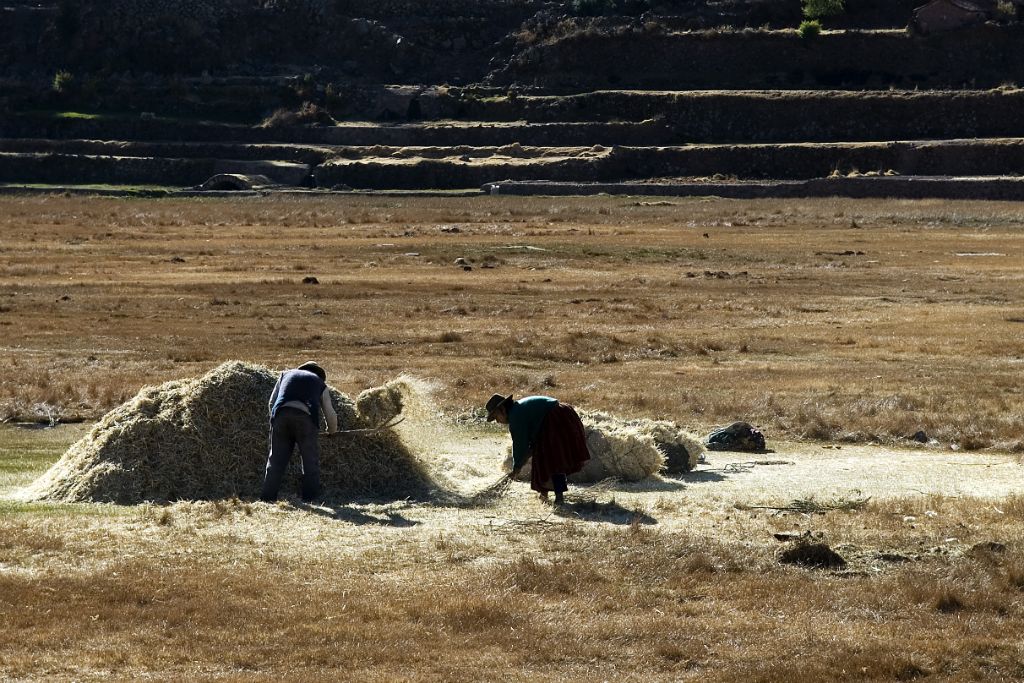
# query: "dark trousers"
560 483
291 427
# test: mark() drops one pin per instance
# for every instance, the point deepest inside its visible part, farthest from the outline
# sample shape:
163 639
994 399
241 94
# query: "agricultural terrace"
878 344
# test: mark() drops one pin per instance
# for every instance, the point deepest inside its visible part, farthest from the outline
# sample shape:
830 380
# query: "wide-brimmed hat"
314 367
495 402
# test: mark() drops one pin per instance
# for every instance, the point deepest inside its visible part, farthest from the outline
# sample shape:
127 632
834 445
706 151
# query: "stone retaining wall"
1007 189
614 117
177 150
86 170
986 56
798 161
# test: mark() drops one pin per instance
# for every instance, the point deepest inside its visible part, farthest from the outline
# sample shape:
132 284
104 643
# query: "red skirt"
560 447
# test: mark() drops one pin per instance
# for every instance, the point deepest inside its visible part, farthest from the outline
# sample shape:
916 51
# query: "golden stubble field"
826 322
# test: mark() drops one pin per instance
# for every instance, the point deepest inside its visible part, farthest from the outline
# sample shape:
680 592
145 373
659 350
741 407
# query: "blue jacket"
525 418
298 385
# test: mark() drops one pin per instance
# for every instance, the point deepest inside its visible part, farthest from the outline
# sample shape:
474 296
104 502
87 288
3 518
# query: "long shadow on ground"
595 511
700 477
650 485
352 515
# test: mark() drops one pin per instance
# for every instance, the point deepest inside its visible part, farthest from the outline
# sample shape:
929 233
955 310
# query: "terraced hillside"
509 96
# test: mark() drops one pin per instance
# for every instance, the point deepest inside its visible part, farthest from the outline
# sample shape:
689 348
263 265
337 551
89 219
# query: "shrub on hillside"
63 81
819 9
809 30
309 113
1006 10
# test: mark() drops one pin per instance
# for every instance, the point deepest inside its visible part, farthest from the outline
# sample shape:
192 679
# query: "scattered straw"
811 506
739 467
381 404
492 492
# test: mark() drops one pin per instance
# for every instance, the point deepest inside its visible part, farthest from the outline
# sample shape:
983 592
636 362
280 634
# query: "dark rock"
739 436
310 280
920 437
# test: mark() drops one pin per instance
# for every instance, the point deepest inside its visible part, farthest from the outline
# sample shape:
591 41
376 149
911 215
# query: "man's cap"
314 367
495 402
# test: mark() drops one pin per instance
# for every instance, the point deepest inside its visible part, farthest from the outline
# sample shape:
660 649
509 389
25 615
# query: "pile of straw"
631 450
682 450
207 438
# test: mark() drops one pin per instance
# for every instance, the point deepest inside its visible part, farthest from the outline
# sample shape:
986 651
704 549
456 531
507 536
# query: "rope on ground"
521 525
737 467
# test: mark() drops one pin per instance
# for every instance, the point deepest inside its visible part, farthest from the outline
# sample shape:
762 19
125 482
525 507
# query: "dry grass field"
840 327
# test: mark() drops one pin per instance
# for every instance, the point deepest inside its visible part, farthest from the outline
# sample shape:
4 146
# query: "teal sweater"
525 418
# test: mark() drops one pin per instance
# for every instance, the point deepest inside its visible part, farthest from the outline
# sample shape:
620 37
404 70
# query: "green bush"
809 29
63 81
1006 10
819 9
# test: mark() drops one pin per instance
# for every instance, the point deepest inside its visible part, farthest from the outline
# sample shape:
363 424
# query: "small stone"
310 280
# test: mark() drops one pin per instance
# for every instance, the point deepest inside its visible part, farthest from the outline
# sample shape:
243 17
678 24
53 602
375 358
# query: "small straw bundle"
682 450
207 438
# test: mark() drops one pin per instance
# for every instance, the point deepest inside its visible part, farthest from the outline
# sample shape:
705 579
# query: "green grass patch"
27 453
77 115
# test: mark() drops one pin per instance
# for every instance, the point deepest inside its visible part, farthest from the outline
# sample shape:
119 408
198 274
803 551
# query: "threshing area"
841 328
